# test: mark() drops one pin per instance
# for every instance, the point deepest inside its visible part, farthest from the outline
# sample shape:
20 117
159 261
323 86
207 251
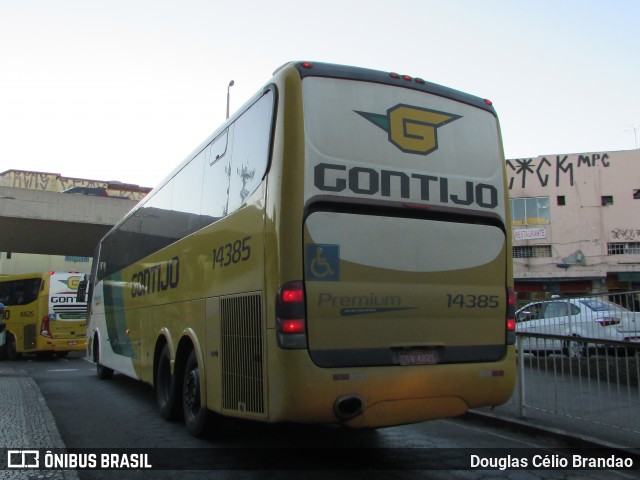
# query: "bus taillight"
511 316
44 328
291 326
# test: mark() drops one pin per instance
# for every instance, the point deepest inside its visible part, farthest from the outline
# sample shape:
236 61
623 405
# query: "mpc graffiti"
552 170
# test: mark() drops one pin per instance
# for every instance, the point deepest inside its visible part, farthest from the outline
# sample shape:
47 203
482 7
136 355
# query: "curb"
571 439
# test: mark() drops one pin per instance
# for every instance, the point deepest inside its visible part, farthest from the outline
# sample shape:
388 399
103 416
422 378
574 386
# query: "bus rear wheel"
167 396
196 415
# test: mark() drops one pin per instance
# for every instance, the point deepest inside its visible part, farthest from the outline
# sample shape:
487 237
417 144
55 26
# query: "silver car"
580 320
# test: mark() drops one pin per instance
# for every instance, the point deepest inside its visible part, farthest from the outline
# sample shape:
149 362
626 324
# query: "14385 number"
473 301
230 253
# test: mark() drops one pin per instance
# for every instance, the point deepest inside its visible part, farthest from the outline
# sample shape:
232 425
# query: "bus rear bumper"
387 396
65 345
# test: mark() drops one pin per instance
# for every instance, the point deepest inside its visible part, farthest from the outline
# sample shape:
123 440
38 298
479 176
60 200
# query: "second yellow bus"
42 314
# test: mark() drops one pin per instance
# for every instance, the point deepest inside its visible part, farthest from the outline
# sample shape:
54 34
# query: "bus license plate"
418 357
72 342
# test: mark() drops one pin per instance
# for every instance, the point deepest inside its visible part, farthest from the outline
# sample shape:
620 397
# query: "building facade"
576 223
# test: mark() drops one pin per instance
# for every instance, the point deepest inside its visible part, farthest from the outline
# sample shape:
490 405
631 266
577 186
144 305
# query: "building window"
532 251
607 200
636 194
561 201
615 248
530 211
623 248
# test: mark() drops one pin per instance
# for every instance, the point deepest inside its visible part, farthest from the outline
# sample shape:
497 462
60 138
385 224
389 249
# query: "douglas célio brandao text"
551 461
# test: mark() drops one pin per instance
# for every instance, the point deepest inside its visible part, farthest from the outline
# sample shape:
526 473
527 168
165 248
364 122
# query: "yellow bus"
42 314
337 251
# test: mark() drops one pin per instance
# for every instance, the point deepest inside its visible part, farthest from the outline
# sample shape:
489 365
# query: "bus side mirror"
81 296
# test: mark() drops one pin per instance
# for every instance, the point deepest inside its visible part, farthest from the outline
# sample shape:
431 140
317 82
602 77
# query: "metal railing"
584 363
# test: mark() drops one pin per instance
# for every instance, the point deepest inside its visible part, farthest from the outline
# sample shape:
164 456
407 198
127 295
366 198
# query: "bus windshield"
20 292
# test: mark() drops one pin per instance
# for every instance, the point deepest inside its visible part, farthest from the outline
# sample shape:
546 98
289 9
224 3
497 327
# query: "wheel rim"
192 392
575 350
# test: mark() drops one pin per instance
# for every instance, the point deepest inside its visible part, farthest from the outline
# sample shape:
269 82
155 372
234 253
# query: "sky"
124 90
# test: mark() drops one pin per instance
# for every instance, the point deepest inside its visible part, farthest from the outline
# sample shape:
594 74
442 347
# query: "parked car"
575 319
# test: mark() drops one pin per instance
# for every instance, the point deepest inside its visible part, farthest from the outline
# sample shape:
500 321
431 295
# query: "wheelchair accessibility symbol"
323 262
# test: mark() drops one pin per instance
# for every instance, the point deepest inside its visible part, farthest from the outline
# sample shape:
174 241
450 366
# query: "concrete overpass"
36 221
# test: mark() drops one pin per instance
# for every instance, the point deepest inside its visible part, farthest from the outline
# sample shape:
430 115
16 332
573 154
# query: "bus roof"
314 69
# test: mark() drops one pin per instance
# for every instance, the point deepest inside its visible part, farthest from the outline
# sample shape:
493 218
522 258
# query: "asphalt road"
120 413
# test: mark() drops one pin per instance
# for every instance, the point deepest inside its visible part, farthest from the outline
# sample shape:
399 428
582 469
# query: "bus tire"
12 352
167 395
196 415
104 373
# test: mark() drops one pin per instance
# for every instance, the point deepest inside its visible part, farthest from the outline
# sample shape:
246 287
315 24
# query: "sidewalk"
601 411
571 431
26 423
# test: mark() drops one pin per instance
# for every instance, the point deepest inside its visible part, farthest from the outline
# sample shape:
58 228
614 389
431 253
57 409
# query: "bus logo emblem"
411 129
323 262
72 282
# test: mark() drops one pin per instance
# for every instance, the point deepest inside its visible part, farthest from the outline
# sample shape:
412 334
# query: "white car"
575 318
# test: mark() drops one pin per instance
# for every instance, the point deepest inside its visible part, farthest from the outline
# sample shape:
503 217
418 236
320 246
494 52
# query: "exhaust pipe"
348 406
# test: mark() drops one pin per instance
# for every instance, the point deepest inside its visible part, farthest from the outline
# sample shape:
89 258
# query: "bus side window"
187 197
217 149
250 152
215 189
4 295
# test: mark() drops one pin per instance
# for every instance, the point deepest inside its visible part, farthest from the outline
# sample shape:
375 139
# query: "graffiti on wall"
53 182
49 181
552 171
33 180
626 234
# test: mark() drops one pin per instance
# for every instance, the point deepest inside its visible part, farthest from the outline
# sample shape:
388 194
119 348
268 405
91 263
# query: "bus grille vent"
29 336
242 353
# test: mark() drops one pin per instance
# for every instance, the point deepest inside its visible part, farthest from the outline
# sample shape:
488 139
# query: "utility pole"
231 83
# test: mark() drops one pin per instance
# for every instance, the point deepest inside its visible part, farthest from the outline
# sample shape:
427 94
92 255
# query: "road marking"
485 432
68 369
